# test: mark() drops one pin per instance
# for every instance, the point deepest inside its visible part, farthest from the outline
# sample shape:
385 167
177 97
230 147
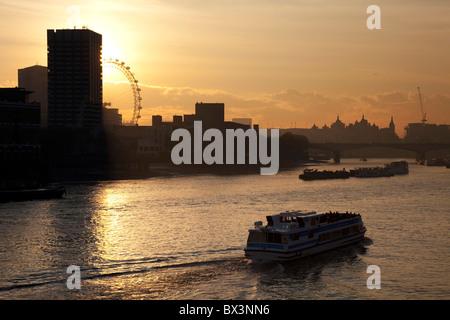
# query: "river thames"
182 237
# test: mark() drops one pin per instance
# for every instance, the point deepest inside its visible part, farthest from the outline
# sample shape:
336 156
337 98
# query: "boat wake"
163 277
181 261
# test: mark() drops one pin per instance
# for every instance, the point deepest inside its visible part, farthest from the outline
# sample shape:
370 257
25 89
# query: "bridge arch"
419 148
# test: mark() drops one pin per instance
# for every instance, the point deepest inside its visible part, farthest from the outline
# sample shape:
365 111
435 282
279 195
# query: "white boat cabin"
293 219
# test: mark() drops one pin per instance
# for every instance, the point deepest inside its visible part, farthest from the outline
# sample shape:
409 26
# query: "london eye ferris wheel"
134 98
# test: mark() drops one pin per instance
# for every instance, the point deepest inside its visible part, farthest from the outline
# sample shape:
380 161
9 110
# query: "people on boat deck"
336 216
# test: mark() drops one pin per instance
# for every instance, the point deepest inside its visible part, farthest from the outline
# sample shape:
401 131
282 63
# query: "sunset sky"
281 62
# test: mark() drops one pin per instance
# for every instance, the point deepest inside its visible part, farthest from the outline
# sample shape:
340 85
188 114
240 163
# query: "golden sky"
282 62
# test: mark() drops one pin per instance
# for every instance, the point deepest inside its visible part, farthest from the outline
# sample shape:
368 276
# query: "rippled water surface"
183 238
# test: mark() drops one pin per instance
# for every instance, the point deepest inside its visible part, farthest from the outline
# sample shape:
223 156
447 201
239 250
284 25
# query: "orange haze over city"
282 63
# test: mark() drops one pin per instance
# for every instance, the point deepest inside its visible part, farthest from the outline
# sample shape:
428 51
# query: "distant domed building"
359 132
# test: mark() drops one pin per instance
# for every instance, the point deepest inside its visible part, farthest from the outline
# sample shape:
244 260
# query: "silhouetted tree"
293 148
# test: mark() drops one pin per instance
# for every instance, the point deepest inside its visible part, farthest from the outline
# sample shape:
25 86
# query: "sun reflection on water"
108 226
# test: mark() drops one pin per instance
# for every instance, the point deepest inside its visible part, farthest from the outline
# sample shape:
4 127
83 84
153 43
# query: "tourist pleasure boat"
295 234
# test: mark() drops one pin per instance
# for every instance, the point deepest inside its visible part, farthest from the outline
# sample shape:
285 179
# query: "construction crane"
424 115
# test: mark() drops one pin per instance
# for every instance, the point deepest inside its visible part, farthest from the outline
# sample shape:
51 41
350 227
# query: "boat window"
273 237
325 236
300 222
338 233
257 237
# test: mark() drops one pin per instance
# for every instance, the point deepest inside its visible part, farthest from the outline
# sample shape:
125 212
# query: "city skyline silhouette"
304 70
225 157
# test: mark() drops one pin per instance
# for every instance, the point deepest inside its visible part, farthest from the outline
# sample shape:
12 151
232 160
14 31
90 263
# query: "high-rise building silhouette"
212 115
74 78
20 140
34 79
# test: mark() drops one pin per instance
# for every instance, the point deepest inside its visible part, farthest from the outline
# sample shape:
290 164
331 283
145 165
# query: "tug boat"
295 234
398 167
436 163
372 172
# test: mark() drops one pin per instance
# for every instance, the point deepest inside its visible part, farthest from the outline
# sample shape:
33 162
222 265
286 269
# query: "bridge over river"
419 148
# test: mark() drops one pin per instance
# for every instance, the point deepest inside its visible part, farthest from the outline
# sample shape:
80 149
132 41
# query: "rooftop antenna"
424 115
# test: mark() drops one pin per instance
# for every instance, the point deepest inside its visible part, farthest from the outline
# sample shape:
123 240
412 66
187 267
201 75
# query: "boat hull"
32 194
266 253
309 175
